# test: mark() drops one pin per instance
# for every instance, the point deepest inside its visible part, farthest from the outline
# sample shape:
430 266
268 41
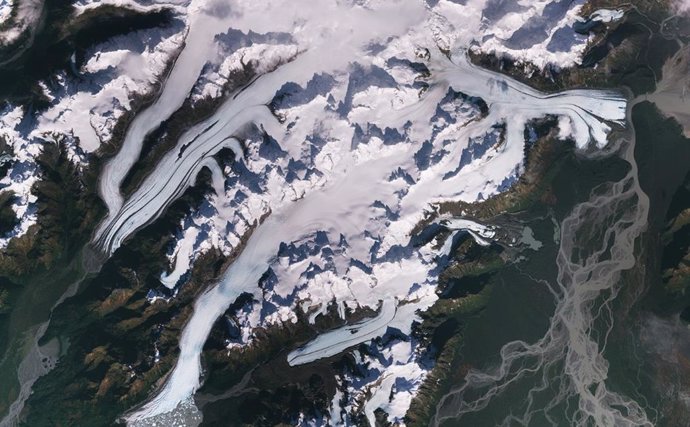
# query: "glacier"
363 116
327 178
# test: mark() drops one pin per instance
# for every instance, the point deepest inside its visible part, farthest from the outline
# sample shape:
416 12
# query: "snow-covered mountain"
126 68
359 118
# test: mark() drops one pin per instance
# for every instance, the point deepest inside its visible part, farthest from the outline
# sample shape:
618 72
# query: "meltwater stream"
568 361
343 204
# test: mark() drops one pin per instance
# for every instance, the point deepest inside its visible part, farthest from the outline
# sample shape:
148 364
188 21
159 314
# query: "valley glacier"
359 119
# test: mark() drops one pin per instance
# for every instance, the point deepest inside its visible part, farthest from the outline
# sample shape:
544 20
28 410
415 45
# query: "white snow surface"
84 108
6 7
361 144
117 71
372 123
536 32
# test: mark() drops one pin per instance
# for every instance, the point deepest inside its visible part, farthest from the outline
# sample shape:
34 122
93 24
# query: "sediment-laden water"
563 377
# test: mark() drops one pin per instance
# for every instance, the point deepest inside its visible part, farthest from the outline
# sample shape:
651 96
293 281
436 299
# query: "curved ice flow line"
569 357
209 19
339 340
512 96
585 107
288 224
466 224
329 210
480 233
171 178
185 71
514 103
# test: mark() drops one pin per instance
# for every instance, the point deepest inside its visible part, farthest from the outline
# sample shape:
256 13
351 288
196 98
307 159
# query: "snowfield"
85 105
28 14
6 7
345 153
363 116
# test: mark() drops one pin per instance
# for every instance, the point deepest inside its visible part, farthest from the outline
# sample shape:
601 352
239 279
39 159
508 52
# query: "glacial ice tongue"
364 197
82 109
334 342
188 65
509 101
128 66
341 156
